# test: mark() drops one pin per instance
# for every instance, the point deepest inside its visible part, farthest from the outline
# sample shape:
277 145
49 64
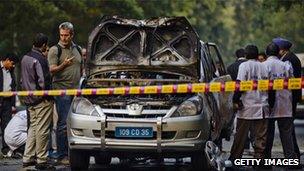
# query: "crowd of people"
61 66
257 111
43 68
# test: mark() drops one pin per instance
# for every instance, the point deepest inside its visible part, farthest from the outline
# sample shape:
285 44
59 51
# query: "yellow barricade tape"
294 83
278 84
263 85
215 87
229 86
246 85
198 87
167 89
182 88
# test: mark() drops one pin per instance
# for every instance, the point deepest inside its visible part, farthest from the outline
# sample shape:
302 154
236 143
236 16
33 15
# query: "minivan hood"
162 44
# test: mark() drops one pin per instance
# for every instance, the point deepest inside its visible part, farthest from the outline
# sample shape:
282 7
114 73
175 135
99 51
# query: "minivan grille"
146 113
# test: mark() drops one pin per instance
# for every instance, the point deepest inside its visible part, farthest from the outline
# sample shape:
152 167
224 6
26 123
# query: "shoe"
6 152
228 163
9 154
54 155
27 164
44 166
64 161
17 155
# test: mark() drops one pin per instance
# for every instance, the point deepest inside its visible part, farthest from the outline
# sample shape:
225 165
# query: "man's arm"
39 72
53 61
241 76
57 68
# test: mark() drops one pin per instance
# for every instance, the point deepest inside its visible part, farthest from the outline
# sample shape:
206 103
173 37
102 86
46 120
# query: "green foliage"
231 24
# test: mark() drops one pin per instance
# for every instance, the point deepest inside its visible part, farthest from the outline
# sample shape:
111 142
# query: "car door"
210 104
225 115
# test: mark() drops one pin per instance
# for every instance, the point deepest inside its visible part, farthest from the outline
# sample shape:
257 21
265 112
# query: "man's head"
84 53
240 53
272 50
66 33
9 61
46 52
251 52
40 42
262 57
283 44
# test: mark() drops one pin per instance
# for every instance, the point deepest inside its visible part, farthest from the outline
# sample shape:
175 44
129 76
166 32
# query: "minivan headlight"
190 107
83 106
187 108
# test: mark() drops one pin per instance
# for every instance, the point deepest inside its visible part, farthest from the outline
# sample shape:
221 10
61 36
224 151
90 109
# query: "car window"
206 69
217 61
210 62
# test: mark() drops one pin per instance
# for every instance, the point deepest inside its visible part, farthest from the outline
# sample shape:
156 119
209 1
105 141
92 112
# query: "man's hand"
68 61
14 110
238 106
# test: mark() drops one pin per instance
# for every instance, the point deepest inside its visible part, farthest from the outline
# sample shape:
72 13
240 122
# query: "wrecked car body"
159 51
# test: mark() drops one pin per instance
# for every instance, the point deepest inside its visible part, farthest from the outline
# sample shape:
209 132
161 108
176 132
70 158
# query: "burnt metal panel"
159 43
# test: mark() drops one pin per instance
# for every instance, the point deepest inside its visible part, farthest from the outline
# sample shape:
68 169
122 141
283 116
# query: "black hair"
251 52
240 53
40 40
263 54
11 57
272 50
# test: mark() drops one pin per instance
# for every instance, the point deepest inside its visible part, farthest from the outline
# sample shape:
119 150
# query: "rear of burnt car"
125 52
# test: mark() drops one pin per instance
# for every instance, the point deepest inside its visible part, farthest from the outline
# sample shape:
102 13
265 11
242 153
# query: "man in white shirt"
16 132
252 107
282 100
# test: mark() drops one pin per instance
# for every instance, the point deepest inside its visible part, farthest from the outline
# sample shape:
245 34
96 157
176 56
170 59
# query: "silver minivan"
153 52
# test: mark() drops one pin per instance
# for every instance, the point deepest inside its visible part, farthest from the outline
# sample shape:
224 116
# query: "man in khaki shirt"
65 65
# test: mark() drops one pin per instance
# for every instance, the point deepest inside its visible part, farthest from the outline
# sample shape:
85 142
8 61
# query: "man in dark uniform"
234 67
287 55
7 104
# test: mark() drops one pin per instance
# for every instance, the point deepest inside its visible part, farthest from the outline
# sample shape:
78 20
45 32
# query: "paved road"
170 164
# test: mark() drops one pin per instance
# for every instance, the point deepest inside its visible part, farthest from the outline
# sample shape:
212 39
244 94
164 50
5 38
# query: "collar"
272 57
2 67
72 45
241 58
36 50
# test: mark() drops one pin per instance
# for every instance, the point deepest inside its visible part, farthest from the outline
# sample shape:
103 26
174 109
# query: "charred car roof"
162 44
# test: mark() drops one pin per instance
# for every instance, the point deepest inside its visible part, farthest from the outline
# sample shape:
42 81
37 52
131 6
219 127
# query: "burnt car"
158 51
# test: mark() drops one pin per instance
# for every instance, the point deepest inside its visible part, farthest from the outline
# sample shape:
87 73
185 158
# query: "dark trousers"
286 128
5 115
63 104
295 143
249 139
259 130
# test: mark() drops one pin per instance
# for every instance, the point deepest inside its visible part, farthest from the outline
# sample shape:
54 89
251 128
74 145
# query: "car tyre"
102 160
79 160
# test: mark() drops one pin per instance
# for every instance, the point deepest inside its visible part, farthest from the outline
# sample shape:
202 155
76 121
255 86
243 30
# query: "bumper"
187 134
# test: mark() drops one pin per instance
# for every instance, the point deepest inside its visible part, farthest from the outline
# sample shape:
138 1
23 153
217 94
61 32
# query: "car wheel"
102 160
79 160
213 154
